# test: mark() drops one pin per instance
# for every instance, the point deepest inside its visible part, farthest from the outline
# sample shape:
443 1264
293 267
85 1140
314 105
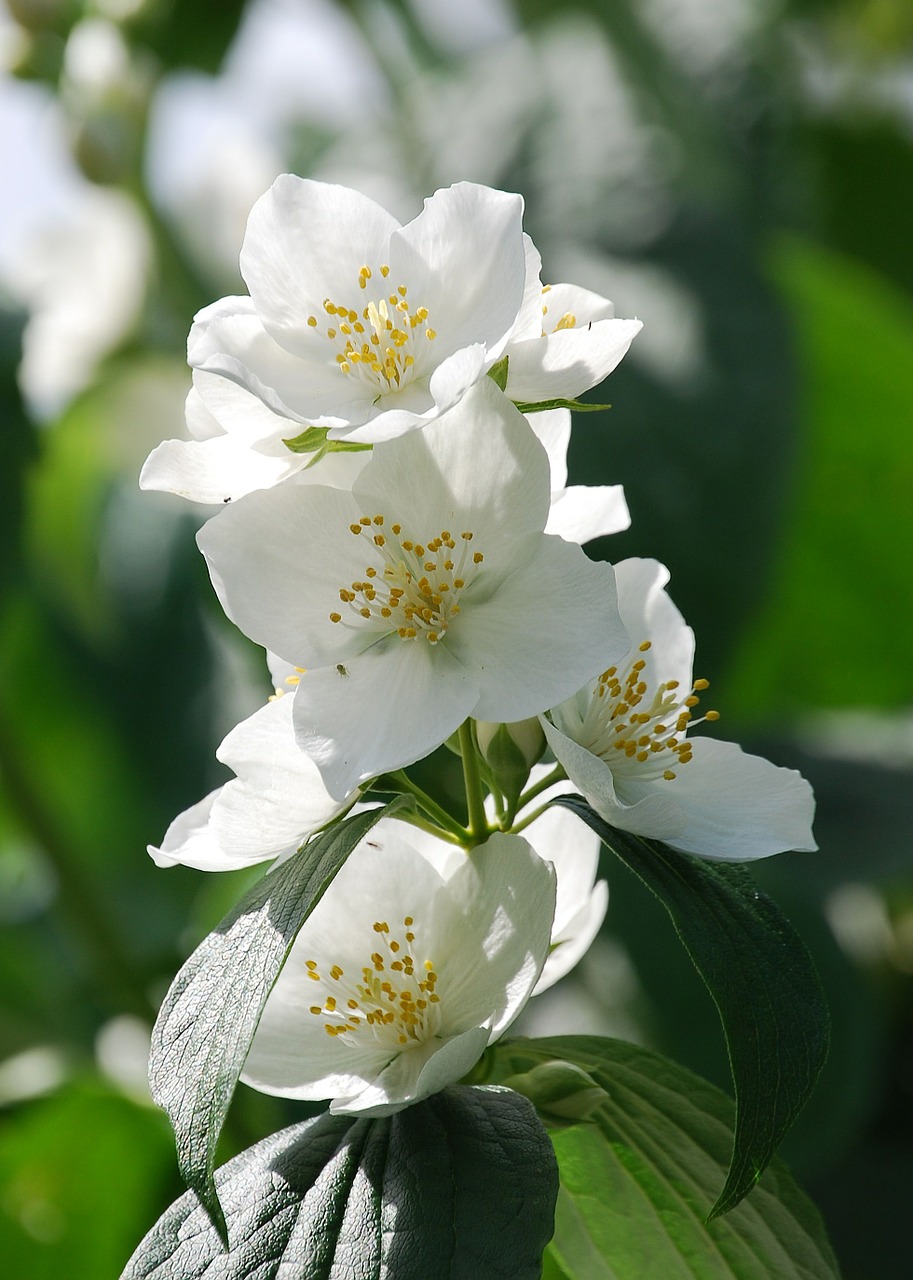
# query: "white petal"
478 468
573 850
307 241
385 709
465 251
485 930
568 362
547 629
653 811
739 806
278 798
575 939
585 306
553 431
495 947
583 512
278 560
529 321
218 470
649 614
416 1074
189 840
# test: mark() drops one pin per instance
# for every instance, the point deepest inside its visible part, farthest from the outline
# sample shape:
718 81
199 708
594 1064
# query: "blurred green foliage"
762 228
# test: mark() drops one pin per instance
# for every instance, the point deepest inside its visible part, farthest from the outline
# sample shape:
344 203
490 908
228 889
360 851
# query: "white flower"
371 329
426 595
572 849
565 341
236 447
354 321
276 801
624 742
401 976
578 512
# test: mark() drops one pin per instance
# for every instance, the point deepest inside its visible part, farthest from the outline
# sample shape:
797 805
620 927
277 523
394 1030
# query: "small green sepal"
314 440
498 373
540 406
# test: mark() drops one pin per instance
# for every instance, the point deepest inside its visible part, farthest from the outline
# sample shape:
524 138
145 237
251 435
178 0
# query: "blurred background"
738 174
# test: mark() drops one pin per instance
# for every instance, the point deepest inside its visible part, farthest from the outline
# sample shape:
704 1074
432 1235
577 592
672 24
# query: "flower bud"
510 751
561 1092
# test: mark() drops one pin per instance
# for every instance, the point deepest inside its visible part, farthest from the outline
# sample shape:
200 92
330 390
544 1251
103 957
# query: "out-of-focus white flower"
83 280
403 974
276 801
624 741
428 594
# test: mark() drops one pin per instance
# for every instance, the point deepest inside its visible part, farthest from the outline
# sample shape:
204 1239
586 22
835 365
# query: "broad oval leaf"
209 1016
761 978
638 1177
461 1186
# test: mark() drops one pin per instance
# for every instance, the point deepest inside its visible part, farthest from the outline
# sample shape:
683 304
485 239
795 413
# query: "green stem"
556 775
475 799
425 824
433 809
530 817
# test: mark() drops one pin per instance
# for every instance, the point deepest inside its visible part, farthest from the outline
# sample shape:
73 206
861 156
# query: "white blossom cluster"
401 539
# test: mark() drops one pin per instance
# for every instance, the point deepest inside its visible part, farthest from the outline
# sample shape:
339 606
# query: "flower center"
567 321
380 343
414 587
639 730
394 1002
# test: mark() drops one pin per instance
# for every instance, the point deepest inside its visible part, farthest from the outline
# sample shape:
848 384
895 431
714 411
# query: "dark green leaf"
462 1185
208 1018
637 1179
762 981
539 406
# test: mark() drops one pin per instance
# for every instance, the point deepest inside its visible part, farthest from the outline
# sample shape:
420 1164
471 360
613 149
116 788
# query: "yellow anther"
312 321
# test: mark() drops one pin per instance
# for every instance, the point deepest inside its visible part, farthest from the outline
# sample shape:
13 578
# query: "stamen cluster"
385 1004
626 721
416 588
377 342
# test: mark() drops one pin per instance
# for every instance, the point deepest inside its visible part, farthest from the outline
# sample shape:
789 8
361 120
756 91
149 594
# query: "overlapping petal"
402 975
427 594
625 741
273 804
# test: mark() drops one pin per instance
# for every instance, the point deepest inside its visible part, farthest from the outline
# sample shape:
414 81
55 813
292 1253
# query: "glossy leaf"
638 1178
762 981
209 1016
461 1185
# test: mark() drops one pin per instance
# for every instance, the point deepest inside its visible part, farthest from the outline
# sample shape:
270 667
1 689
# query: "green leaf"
314 440
461 1185
539 406
637 1179
208 1018
762 981
82 1171
840 586
498 372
